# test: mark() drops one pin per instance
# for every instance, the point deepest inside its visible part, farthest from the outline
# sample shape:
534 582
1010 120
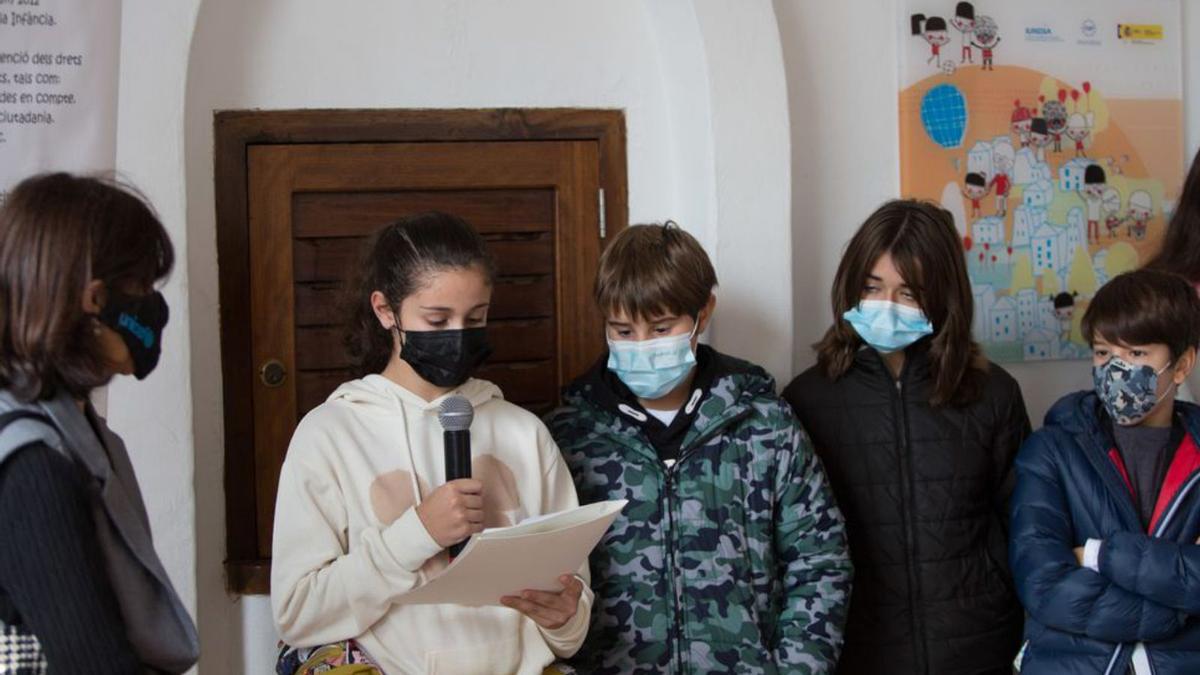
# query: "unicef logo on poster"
944 115
1088 28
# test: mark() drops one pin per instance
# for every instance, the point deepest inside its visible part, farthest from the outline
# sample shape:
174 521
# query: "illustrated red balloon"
1062 95
1010 250
987 246
1087 87
993 258
967 243
1074 94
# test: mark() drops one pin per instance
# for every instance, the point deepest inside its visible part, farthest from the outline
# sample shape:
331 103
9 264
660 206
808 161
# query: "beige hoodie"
348 543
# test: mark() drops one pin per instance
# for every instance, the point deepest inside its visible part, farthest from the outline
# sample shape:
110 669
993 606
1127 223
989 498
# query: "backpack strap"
39 428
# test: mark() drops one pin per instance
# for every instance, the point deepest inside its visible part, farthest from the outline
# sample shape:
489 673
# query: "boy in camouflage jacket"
731 555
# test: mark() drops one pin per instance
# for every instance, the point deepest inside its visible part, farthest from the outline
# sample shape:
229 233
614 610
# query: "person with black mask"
81 587
363 513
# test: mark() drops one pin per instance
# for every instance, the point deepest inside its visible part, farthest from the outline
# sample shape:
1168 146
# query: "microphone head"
456 414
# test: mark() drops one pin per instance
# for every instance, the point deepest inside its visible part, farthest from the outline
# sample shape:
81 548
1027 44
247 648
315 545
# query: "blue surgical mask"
652 368
887 326
1128 391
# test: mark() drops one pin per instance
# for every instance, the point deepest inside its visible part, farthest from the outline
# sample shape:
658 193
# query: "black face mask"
139 320
445 358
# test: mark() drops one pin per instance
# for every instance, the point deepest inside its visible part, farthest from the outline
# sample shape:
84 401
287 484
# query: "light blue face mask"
887 326
652 368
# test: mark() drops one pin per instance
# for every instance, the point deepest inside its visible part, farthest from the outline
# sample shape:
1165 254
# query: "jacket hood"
379 395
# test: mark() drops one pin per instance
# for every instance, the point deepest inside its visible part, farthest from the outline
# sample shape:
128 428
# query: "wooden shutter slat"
334 259
339 214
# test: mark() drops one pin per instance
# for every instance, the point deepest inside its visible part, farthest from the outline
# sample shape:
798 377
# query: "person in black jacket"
81 588
918 432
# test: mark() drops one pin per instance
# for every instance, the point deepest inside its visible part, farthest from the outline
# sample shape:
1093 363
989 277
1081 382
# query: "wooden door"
310 208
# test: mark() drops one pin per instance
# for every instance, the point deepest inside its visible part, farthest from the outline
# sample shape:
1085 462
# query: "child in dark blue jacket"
1106 511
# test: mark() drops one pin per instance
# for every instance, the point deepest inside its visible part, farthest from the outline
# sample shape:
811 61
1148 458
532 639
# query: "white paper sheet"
529 555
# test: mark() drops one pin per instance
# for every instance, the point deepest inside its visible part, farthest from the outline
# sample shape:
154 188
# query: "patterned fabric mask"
1129 392
887 326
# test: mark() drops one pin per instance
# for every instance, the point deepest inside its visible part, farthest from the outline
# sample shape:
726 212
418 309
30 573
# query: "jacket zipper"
909 522
676 592
669 483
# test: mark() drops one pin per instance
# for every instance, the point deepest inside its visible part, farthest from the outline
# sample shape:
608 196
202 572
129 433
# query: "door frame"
234 132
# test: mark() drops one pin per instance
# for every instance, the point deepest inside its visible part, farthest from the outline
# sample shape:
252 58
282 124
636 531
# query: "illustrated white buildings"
1040 344
1026 221
1026 310
1098 265
1038 194
979 159
1070 174
1046 319
988 230
1048 247
1002 321
984 298
1023 167
1075 217
1027 169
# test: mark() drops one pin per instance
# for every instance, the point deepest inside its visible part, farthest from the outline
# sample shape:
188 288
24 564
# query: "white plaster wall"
155 416
750 134
842 83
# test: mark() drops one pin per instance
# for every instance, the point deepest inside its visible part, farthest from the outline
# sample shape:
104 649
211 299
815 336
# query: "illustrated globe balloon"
944 115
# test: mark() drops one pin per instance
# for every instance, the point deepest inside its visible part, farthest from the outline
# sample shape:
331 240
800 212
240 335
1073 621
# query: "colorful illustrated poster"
1053 131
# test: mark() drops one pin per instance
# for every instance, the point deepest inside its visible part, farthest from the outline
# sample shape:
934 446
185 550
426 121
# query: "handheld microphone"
455 416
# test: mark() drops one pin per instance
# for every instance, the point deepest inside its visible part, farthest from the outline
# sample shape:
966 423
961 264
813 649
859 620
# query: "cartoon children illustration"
1078 129
1022 119
1110 206
1039 137
964 21
987 36
1094 184
1002 164
975 188
933 31
1056 118
1141 210
1064 310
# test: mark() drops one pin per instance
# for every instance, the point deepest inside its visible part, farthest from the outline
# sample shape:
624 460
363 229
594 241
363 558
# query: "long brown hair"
925 248
1180 252
59 232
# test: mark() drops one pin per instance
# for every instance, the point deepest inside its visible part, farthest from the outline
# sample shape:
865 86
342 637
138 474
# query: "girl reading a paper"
364 514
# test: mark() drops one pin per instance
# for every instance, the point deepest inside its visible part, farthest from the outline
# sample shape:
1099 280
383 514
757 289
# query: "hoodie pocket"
490 658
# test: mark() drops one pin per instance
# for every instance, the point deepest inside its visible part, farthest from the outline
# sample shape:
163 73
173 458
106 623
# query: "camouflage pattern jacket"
733 558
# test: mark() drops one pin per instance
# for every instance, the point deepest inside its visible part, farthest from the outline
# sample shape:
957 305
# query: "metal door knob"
272 373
